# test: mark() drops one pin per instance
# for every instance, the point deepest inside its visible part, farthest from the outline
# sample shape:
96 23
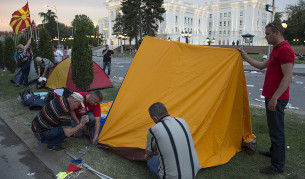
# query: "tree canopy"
85 21
295 31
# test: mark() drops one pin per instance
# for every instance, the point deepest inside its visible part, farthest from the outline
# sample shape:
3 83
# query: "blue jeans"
105 64
275 120
153 165
25 70
54 136
91 123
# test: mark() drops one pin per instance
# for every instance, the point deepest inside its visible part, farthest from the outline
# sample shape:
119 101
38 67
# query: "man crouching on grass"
53 122
170 147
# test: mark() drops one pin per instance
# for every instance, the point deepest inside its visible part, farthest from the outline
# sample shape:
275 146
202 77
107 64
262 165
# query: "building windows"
210 24
176 29
176 19
199 22
210 15
241 22
210 33
191 20
241 13
228 32
188 20
185 20
240 32
229 23
224 32
220 23
229 14
220 15
220 32
225 15
224 23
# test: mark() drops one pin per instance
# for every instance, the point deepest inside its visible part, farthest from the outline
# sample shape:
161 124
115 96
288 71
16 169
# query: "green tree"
85 21
9 50
296 21
22 40
45 48
131 10
118 26
50 22
82 65
2 63
278 17
153 12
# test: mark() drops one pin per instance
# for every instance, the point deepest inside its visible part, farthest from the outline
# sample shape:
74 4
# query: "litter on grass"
31 174
261 96
250 85
289 106
121 78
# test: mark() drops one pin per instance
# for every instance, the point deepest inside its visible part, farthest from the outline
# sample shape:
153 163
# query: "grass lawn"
241 165
259 57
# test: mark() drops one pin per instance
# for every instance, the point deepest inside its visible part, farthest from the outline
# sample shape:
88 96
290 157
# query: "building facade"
215 22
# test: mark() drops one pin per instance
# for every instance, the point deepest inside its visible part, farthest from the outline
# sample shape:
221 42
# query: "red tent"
61 76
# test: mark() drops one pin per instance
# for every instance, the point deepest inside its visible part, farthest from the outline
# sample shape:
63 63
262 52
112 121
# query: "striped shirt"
55 113
172 139
45 64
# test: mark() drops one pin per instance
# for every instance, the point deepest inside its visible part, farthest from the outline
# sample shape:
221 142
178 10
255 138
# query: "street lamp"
284 24
186 35
209 41
54 7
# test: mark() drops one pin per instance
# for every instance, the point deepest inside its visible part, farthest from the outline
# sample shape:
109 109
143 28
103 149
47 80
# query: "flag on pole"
21 19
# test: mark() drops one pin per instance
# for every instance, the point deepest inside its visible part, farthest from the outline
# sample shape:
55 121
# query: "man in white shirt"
57 55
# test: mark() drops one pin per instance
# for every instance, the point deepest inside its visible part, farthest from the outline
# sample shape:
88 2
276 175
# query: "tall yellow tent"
204 85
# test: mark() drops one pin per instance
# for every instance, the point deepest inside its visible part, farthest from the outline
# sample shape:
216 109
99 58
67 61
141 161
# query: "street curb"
28 142
263 71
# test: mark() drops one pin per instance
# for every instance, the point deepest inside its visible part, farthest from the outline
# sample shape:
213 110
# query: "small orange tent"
61 76
204 85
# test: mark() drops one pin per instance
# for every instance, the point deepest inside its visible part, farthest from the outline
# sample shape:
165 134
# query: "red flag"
21 19
72 168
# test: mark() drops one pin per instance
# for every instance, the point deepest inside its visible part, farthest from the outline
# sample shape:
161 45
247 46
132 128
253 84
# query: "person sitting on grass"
92 109
53 122
46 64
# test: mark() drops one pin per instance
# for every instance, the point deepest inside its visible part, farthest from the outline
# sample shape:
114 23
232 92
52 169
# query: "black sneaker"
269 171
57 148
267 154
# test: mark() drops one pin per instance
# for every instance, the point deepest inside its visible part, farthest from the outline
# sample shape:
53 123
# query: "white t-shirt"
58 56
69 52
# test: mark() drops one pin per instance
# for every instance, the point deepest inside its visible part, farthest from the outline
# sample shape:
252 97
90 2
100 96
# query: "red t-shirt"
281 53
80 111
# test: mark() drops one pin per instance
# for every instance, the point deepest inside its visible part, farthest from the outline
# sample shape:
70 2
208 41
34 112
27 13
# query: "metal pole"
272 19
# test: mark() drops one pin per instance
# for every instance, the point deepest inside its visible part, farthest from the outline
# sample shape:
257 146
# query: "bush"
2 64
9 50
45 48
82 65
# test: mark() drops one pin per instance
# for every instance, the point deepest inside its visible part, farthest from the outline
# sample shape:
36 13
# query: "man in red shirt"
92 109
276 91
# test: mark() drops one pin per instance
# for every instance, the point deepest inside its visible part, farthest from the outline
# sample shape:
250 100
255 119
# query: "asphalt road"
16 160
255 81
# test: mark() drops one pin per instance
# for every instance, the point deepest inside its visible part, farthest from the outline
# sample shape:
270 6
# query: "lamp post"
284 24
54 7
186 35
209 41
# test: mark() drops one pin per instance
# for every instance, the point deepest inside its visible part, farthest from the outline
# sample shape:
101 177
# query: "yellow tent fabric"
58 78
204 85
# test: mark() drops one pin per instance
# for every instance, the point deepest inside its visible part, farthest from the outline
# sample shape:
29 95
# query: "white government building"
219 21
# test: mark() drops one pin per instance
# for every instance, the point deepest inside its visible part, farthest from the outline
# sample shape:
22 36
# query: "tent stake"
100 175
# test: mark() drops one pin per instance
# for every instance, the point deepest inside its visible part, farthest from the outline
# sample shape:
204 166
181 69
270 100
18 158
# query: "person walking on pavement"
108 54
276 91
53 122
170 150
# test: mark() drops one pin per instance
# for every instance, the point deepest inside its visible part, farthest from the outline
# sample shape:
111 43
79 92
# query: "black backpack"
23 57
